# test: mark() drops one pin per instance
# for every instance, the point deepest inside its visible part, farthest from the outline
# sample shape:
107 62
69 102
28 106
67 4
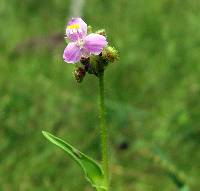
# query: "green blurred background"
153 95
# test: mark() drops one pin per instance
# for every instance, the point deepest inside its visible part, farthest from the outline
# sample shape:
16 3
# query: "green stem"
104 131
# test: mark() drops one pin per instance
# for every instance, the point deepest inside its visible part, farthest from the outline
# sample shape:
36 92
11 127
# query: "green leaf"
92 170
185 188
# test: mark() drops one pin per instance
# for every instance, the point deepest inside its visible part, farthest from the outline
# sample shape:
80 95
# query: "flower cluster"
91 50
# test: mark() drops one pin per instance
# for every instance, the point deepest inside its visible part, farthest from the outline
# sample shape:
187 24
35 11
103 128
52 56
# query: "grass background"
153 95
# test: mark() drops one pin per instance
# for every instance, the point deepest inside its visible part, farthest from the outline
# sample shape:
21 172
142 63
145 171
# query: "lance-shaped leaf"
93 171
185 188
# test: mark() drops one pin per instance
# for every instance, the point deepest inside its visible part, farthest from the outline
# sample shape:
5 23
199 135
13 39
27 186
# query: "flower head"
82 44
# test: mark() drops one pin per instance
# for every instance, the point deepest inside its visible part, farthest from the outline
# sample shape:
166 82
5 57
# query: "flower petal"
94 43
76 29
72 53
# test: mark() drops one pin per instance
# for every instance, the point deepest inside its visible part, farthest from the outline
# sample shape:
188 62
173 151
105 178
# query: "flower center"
80 43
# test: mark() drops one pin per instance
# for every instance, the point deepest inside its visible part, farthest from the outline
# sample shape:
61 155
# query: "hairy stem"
104 131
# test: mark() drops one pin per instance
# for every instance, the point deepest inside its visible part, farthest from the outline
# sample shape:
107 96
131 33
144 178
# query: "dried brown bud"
79 74
85 61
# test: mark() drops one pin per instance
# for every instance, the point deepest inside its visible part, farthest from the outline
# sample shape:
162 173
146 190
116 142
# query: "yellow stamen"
74 26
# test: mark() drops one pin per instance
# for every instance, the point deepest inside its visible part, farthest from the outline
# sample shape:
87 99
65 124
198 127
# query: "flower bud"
89 29
110 54
101 32
79 74
97 65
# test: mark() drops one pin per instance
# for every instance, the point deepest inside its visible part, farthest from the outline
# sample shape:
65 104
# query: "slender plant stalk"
104 131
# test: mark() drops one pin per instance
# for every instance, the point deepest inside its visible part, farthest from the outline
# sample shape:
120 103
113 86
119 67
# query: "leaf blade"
92 170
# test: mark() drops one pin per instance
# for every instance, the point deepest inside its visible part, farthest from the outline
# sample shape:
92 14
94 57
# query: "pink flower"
81 45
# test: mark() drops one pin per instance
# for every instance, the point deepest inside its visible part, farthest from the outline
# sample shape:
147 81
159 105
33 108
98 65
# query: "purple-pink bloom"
81 45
